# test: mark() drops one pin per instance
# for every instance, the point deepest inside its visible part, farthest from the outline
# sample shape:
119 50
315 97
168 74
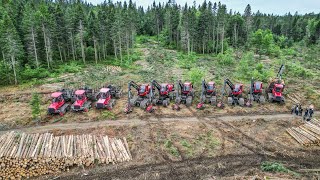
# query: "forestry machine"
82 102
165 93
59 104
107 95
256 92
184 93
208 94
276 87
235 93
143 98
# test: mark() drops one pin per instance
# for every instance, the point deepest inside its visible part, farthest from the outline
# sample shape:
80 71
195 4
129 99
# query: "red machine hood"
78 103
54 105
277 93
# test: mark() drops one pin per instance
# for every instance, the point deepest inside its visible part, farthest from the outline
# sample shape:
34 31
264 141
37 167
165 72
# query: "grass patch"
276 167
187 146
170 147
108 115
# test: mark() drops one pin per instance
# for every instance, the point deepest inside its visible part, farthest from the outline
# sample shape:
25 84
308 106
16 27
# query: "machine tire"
168 100
230 101
270 97
133 101
178 100
144 104
262 99
154 101
283 101
118 95
188 101
241 102
165 103
213 100
251 97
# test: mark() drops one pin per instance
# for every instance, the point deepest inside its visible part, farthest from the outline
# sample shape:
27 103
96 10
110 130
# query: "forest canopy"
41 37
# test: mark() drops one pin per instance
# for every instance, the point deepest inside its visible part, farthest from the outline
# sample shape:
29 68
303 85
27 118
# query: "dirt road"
134 122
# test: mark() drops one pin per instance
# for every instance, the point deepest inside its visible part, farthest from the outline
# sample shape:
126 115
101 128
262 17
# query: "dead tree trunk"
34 47
45 44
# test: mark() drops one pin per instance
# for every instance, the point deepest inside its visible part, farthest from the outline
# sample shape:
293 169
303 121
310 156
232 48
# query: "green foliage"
226 59
35 106
187 61
297 70
29 73
276 167
248 68
263 42
196 75
108 115
72 67
172 149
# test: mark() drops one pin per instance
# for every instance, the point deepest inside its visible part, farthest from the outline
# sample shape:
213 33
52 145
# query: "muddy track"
199 168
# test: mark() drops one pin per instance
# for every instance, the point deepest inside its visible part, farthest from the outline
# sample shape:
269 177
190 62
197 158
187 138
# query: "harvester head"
128 108
200 105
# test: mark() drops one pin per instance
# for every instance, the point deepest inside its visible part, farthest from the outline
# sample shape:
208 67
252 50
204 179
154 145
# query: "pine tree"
35 106
11 45
248 19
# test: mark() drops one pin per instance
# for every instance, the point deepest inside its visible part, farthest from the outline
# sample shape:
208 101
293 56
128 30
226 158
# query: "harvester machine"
256 92
142 99
208 94
60 102
165 93
184 94
276 87
234 94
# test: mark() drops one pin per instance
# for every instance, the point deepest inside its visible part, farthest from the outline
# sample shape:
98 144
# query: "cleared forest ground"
229 143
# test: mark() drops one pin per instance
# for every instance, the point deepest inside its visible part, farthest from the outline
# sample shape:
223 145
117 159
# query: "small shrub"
226 59
196 74
108 115
35 106
173 150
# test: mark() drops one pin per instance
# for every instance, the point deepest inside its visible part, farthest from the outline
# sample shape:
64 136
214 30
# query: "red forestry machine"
143 98
276 87
184 93
59 104
106 97
83 97
234 94
208 94
165 93
256 92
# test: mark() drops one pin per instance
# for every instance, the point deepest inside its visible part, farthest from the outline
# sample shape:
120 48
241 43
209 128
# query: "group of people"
298 110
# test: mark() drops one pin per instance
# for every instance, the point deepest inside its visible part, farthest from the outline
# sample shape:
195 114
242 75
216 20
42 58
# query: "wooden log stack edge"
28 155
307 134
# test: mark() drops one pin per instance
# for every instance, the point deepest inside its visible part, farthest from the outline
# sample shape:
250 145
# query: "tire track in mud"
304 157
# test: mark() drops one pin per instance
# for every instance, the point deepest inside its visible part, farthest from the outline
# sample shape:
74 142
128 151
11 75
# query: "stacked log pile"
307 134
28 155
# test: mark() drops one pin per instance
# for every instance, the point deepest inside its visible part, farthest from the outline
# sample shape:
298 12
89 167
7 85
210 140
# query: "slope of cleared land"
188 144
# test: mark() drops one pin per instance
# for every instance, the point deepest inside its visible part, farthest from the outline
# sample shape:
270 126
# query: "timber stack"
28 155
307 134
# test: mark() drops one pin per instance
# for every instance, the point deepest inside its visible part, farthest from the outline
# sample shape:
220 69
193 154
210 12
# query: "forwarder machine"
142 99
107 97
234 94
276 87
208 94
82 100
60 102
164 95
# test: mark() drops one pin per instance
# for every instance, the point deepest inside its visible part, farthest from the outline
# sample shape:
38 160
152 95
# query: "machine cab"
144 89
104 93
211 87
57 100
257 87
278 88
80 95
164 89
237 89
187 87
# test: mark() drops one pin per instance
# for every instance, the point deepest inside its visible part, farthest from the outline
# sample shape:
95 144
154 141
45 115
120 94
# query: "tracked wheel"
144 104
262 99
241 102
178 100
165 103
213 100
189 101
270 97
230 101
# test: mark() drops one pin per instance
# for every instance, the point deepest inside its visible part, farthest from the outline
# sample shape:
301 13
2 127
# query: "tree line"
40 34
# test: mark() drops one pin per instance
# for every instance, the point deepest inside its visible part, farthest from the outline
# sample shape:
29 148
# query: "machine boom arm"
279 75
